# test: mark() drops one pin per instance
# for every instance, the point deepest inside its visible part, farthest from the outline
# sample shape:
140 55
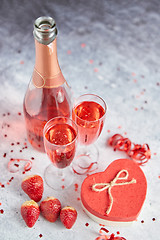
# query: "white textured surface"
122 38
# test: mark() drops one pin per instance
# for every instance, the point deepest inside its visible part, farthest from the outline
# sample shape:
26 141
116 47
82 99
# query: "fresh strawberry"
50 208
30 212
33 187
68 216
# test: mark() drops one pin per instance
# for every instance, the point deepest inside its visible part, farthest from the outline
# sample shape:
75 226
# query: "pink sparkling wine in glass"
87 115
61 135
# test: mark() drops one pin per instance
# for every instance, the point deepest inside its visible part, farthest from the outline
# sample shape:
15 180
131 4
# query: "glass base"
58 178
86 160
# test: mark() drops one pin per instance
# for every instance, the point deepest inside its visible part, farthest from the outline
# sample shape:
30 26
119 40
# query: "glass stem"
60 172
87 150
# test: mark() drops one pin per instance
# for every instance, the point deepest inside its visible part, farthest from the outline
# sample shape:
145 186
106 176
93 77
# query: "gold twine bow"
113 183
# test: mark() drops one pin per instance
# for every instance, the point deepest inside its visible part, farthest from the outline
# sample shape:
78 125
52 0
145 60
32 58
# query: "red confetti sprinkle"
62 186
21 62
83 45
87 224
136 109
108 131
103 230
135 81
133 74
2 185
40 235
1 211
118 232
10 180
5 135
139 153
78 199
16 165
153 219
69 52
90 61
0 203
4 155
19 113
142 221
76 187
96 70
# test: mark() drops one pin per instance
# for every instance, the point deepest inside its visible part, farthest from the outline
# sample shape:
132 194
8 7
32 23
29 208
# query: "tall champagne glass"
88 112
60 141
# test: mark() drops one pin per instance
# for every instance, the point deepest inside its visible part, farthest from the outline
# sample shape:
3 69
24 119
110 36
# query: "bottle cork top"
45 30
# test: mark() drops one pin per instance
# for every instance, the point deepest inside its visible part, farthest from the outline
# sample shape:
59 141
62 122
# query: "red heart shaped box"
127 199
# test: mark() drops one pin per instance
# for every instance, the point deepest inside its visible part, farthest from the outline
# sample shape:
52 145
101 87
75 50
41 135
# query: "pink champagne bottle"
48 94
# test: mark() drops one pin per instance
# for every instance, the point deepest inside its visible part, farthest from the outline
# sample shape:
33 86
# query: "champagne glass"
60 141
88 113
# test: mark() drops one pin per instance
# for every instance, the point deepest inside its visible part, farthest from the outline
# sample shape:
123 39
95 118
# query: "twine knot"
99 187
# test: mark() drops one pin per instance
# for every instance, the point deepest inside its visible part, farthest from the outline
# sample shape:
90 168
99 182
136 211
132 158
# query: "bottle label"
40 81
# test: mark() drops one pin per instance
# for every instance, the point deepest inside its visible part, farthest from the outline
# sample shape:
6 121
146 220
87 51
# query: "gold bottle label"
41 82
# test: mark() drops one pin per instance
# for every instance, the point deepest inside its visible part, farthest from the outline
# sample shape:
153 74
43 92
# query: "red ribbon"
16 164
139 153
108 237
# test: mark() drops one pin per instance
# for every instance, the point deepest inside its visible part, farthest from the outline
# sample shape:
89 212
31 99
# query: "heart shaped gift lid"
117 194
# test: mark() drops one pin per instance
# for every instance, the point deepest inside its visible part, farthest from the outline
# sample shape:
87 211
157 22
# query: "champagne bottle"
48 94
